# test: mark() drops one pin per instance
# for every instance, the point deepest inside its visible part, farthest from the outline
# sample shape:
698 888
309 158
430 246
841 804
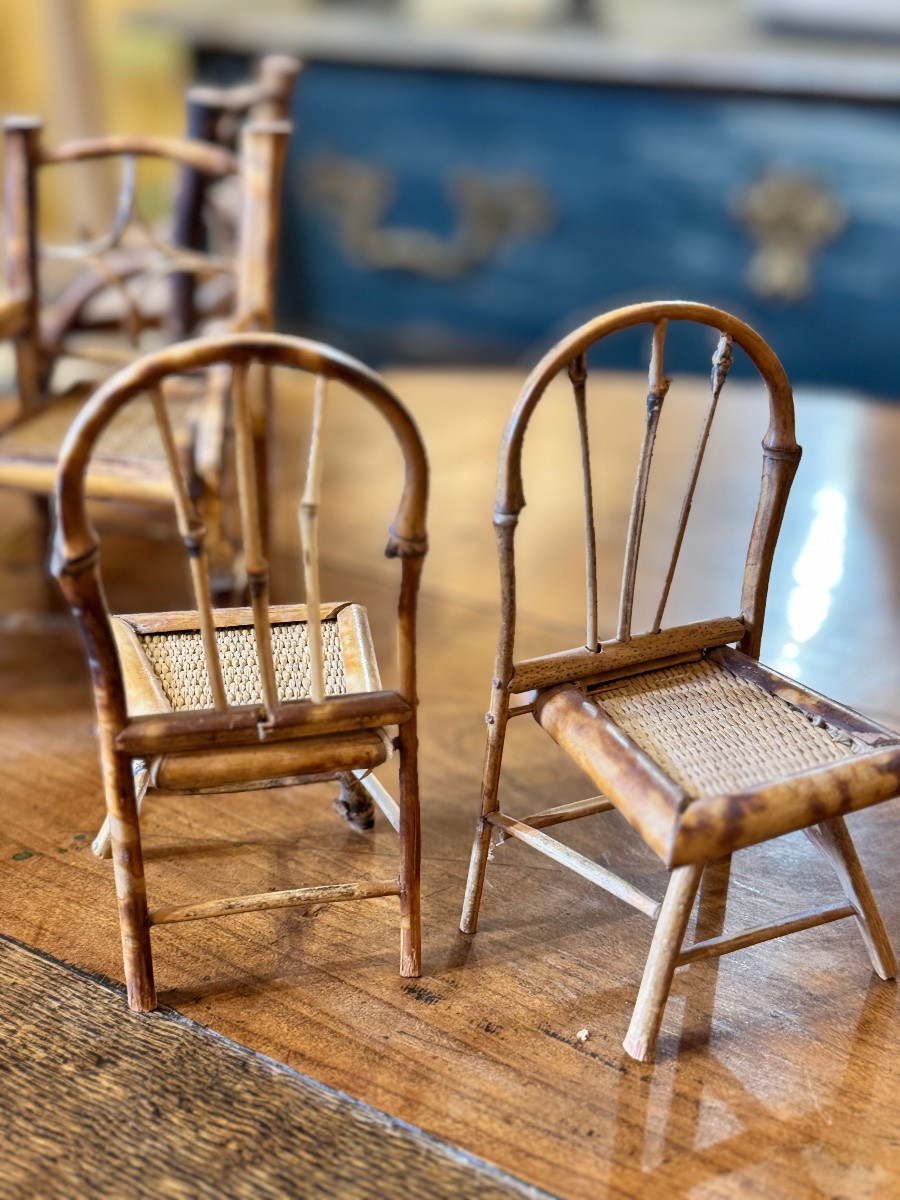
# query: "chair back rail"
76 560
780 457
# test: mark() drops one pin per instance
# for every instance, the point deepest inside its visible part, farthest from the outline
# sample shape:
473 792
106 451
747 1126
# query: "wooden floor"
787 1068
158 1106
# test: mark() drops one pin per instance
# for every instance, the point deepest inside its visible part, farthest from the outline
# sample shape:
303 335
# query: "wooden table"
781 1088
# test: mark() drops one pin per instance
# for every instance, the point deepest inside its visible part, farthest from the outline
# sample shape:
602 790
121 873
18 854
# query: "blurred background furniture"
468 193
244 698
702 749
135 284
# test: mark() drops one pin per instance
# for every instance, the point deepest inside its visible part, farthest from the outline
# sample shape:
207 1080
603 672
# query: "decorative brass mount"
490 212
791 217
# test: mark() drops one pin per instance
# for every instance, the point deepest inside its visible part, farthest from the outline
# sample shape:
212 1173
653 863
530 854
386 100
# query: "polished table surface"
786 1076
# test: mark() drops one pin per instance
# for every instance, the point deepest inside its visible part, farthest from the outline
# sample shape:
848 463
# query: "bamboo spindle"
578 376
193 533
125 212
22 149
309 540
659 385
255 562
722 360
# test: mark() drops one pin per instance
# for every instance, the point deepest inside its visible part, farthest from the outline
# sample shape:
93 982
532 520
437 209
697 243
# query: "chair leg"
410 855
832 839
355 804
131 890
493 756
101 843
640 1041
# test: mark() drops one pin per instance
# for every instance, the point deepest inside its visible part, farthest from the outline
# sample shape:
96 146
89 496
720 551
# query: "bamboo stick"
675 912
714 947
659 385
331 893
309 538
579 863
381 796
255 563
193 534
101 846
568 812
722 360
212 160
832 839
578 376
22 150
817 706
125 210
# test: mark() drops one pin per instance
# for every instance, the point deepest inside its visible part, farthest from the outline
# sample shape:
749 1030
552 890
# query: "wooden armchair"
701 748
131 287
218 700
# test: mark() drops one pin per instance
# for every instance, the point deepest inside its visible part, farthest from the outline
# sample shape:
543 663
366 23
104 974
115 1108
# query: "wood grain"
209 1117
778 1090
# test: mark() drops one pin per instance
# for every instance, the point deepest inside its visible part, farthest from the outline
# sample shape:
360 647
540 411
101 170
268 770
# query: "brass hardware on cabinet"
490 212
791 216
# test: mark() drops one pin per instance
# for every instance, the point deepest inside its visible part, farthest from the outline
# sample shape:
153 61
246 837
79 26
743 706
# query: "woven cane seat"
735 762
164 669
713 732
128 450
178 662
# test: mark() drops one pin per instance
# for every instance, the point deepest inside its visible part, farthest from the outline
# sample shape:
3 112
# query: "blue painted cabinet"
623 193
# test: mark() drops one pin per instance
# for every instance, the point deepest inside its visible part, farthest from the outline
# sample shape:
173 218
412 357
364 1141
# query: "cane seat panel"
722 761
164 670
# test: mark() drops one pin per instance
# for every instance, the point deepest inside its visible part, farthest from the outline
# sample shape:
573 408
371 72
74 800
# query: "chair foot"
101 845
832 839
640 1041
468 922
410 940
355 805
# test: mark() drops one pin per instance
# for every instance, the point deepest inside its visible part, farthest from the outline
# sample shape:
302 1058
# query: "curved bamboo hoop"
779 436
76 539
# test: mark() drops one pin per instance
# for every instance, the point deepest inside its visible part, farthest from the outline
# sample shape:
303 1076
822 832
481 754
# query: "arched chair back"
779 458
223 699
702 749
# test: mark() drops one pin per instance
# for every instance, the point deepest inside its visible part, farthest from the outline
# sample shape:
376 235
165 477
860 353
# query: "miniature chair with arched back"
218 700
129 284
701 748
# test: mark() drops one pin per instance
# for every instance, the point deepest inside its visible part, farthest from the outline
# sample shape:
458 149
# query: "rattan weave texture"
715 733
178 662
132 434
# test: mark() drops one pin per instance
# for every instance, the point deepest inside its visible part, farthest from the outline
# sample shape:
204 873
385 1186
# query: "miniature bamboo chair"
219 700
133 282
701 748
